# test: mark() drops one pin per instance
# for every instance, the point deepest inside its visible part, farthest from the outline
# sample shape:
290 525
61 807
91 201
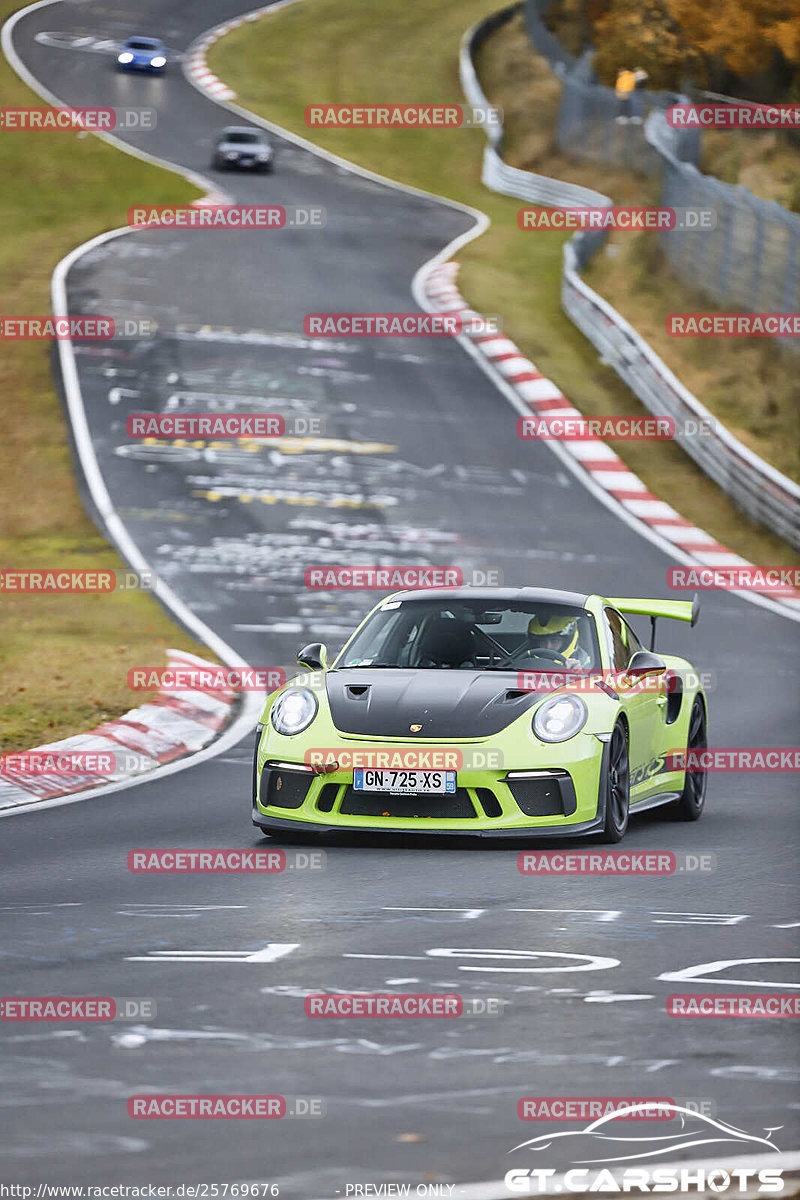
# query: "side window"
634 645
618 634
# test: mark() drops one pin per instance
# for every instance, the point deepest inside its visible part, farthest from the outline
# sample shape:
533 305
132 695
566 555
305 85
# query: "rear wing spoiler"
676 610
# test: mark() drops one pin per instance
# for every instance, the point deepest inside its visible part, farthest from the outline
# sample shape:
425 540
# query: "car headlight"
294 711
559 718
263 155
125 58
158 61
232 154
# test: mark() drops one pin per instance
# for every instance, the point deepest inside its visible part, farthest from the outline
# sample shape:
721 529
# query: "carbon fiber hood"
447 704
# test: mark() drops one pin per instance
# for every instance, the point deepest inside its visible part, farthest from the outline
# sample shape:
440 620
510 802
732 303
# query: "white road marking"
708 973
269 953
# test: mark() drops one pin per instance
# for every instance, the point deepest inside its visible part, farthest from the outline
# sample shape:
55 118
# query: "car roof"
240 129
523 594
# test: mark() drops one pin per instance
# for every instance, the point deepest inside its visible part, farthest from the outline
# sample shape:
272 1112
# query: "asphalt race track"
445 480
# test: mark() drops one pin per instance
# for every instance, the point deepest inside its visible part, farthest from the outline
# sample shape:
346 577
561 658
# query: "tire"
693 798
615 787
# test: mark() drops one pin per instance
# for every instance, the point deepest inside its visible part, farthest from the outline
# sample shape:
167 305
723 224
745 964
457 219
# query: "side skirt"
654 801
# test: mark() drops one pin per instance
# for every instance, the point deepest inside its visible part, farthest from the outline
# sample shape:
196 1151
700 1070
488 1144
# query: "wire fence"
763 493
750 260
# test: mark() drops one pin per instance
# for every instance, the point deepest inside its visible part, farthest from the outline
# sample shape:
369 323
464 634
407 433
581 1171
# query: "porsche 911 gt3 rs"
496 712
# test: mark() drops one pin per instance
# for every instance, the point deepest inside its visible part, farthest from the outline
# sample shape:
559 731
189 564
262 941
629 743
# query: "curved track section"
421 463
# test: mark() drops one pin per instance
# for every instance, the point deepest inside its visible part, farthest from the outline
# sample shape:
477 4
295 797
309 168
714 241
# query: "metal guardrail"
758 489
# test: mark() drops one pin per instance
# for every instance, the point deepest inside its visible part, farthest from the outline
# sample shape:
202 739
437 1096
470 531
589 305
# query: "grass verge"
333 49
65 657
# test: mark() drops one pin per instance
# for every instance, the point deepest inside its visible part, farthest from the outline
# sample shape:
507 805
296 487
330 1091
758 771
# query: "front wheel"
615 785
693 798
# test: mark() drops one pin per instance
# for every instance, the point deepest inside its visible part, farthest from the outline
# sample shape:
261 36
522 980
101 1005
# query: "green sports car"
495 712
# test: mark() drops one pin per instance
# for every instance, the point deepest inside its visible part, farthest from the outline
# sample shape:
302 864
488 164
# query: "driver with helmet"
558 634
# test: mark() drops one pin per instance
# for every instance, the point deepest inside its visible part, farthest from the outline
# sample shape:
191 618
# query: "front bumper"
141 66
247 164
552 800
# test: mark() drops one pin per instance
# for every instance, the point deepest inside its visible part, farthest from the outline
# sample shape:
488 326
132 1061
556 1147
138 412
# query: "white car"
242 147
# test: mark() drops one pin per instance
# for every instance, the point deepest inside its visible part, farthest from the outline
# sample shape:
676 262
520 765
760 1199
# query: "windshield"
142 44
241 138
475 635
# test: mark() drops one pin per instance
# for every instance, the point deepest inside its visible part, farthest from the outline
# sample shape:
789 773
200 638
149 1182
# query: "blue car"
142 54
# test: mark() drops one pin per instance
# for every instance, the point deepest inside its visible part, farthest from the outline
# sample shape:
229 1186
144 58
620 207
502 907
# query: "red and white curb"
170 726
592 455
195 65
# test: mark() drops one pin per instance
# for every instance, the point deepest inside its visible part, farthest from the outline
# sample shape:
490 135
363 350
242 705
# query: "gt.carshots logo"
608 1147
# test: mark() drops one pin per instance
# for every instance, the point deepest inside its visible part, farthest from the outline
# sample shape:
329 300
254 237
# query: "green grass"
65 658
323 51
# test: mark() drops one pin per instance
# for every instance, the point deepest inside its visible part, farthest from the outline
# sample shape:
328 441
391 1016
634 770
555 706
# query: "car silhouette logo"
604 1135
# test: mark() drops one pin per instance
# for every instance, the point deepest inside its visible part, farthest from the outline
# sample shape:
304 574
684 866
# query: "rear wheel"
616 782
693 798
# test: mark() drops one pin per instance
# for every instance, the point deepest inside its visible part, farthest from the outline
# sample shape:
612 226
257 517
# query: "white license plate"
407 783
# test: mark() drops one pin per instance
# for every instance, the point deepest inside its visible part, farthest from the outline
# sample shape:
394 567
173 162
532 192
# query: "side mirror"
315 656
644 662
